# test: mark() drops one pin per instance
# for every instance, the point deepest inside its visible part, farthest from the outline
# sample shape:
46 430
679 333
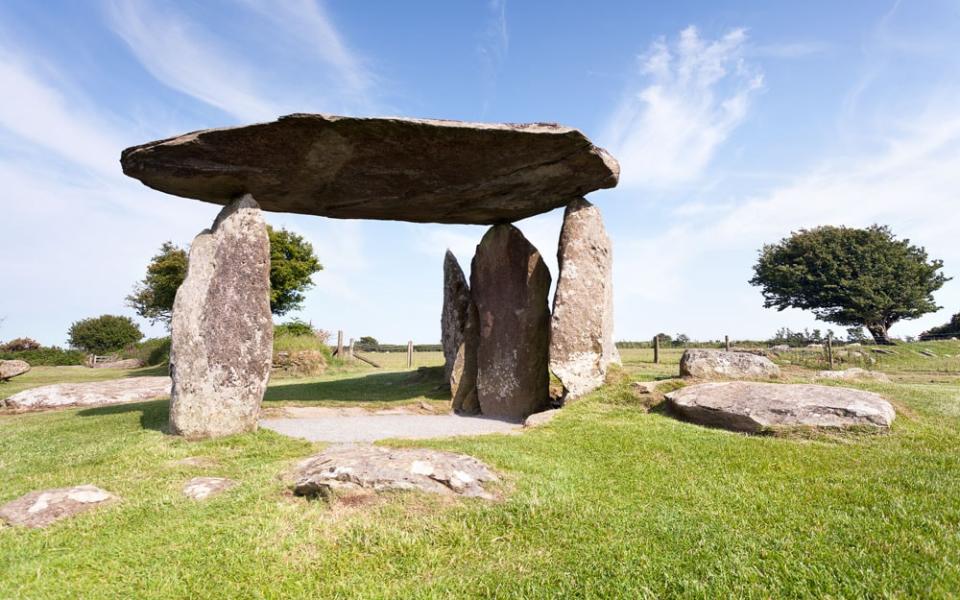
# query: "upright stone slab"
459 335
509 284
581 331
222 331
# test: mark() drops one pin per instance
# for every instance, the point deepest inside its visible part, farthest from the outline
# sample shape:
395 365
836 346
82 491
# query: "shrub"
150 352
20 345
294 327
46 356
103 334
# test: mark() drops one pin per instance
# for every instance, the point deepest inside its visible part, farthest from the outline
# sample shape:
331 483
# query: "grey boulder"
754 407
713 364
11 368
41 508
91 393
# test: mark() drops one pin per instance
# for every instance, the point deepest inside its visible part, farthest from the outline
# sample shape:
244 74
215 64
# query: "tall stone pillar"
581 332
222 329
509 284
459 337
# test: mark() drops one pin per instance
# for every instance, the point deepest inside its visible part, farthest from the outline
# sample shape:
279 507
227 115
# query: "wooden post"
340 343
830 349
350 350
656 349
726 342
410 354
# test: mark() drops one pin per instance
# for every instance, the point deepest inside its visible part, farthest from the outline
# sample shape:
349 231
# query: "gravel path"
358 425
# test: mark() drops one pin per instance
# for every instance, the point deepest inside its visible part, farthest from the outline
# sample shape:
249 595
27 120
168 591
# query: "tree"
855 335
153 297
368 343
850 277
106 333
947 330
292 265
681 340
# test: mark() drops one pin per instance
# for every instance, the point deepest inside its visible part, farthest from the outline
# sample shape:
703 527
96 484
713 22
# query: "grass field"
609 500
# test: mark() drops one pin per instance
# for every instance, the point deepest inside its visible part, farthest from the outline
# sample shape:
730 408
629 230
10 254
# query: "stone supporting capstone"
222 330
459 337
510 284
581 330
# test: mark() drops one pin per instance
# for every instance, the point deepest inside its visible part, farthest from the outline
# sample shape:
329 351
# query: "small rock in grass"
711 364
853 374
201 488
347 470
540 418
39 509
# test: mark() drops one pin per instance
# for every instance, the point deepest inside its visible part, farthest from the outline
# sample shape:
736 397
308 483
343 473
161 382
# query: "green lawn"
609 500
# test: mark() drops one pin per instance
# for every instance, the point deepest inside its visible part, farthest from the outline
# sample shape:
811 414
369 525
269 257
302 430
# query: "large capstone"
509 284
382 168
460 337
581 332
714 364
222 331
755 407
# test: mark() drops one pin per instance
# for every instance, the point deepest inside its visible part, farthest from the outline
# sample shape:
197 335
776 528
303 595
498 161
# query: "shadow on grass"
377 387
153 414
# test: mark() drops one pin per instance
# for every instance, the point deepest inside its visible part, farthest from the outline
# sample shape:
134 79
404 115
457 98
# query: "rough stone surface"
754 407
11 368
581 329
380 168
39 509
459 337
712 364
201 488
222 330
853 374
343 470
509 284
92 393
540 418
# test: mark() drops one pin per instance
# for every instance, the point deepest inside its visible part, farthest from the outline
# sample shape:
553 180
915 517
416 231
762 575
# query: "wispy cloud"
690 95
493 48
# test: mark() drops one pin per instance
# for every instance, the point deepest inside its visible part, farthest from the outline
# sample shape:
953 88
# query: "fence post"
410 354
350 350
656 349
830 349
340 343
726 342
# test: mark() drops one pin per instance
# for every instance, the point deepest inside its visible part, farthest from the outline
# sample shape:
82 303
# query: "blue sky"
734 123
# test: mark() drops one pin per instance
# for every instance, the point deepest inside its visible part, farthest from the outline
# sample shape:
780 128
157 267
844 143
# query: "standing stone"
222 333
459 335
581 332
510 283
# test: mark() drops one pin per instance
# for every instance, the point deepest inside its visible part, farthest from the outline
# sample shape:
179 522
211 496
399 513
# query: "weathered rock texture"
540 418
39 509
581 331
509 284
713 364
754 407
222 331
348 469
460 337
11 368
381 168
201 488
92 393
853 374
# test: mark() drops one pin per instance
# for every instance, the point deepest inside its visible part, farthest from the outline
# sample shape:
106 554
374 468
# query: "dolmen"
500 337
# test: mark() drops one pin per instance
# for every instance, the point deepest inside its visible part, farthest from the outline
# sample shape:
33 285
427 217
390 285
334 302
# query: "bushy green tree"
850 277
368 343
106 333
295 327
292 265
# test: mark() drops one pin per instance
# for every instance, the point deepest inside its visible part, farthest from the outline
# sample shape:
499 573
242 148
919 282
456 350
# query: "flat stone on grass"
39 509
92 393
754 407
201 488
348 470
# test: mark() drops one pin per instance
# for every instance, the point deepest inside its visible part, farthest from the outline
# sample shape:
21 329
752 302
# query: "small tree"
850 277
368 344
664 338
20 345
294 327
106 333
681 340
855 335
292 265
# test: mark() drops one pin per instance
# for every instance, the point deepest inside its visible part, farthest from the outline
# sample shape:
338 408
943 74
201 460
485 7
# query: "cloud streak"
690 96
